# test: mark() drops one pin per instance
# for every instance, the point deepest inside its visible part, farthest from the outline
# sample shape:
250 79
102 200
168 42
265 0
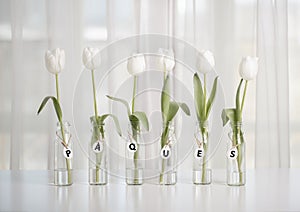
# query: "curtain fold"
17 107
272 92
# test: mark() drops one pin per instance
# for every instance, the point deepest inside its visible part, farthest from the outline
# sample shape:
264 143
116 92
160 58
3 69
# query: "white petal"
61 60
248 68
50 62
205 61
167 61
136 64
91 58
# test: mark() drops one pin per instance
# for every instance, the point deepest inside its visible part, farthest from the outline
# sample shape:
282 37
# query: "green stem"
236 135
133 93
134 132
57 87
98 131
240 157
204 134
62 130
94 93
204 93
244 95
135 155
99 156
164 137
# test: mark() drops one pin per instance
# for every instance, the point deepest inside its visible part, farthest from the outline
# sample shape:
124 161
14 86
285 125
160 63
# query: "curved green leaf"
198 97
184 108
173 109
55 104
237 102
165 98
102 118
228 115
121 101
211 97
134 121
142 118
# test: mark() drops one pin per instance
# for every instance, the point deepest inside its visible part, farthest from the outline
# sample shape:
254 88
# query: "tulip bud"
91 58
205 61
55 60
166 61
136 64
248 68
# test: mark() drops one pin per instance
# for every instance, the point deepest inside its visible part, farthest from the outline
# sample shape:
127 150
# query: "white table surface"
266 190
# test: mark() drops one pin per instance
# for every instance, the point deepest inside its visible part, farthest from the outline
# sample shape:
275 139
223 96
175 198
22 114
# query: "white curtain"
272 128
229 28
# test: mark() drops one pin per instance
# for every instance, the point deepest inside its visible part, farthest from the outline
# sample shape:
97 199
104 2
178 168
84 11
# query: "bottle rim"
93 121
65 123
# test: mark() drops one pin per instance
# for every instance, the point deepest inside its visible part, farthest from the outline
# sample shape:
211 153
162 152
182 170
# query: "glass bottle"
236 164
202 173
168 155
135 155
63 155
97 154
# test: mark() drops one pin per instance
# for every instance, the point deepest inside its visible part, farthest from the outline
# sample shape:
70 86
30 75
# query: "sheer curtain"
229 28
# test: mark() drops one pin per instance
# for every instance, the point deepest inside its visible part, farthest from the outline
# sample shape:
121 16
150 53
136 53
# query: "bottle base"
134 176
236 178
169 178
97 176
62 177
201 177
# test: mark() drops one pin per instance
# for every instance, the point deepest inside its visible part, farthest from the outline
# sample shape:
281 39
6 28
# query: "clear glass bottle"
135 155
63 155
202 174
236 164
168 156
97 154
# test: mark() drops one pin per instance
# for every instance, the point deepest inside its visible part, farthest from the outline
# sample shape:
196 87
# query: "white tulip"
248 68
91 58
136 64
55 60
167 61
205 61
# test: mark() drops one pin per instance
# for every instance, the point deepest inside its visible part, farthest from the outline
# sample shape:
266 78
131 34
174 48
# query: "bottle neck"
203 125
236 125
66 126
170 126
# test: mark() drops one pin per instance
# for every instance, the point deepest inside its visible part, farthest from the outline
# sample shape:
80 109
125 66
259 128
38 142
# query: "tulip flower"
166 61
203 105
136 64
91 58
55 60
55 63
205 61
248 68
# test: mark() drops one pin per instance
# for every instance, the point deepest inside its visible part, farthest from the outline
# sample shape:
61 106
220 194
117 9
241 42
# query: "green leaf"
198 97
237 102
55 104
142 118
134 121
173 109
165 98
211 97
228 115
121 101
184 108
115 119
